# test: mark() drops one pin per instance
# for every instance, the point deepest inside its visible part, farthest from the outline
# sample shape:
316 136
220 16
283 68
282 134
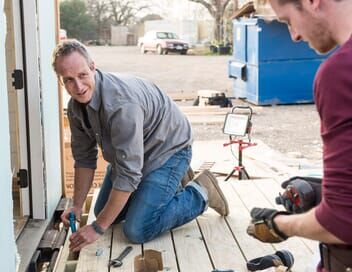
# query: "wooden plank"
205 109
91 215
164 244
190 249
238 221
88 261
251 197
63 255
273 159
253 168
177 96
119 243
224 161
222 247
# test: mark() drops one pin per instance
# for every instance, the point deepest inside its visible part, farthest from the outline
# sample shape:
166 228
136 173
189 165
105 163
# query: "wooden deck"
213 242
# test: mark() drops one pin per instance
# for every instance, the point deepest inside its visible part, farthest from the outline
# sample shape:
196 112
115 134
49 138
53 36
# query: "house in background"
30 169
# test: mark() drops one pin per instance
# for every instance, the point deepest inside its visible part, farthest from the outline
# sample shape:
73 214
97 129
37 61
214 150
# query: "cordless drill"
300 195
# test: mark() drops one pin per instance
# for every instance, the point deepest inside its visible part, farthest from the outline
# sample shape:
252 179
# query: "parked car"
162 43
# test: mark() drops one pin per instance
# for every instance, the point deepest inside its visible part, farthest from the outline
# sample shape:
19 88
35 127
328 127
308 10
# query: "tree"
98 9
217 10
75 19
123 12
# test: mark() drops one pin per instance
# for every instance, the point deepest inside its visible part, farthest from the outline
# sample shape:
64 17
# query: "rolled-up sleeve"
126 126
84 148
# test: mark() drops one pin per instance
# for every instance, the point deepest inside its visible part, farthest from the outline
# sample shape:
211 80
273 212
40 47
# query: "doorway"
17 116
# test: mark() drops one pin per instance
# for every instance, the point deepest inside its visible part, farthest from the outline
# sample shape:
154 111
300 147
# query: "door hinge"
17 77
22 178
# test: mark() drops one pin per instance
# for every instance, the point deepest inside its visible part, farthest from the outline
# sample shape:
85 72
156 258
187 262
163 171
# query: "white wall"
7 244
119 35
50 104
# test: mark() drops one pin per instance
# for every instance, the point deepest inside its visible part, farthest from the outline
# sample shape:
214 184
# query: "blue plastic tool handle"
72 219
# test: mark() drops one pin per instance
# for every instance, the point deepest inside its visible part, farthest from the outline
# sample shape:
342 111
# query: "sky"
177 9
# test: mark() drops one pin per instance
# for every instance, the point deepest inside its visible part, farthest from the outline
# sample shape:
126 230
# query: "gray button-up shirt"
136 125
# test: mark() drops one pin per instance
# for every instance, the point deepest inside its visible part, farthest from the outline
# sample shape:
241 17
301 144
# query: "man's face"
77 76
306 24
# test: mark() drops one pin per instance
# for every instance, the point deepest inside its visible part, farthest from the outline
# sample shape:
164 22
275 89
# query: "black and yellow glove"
263 227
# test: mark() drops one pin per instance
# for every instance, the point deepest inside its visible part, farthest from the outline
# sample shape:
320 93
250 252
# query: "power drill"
300 195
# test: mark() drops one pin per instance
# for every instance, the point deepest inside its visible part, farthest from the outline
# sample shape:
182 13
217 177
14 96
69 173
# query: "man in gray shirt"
147 141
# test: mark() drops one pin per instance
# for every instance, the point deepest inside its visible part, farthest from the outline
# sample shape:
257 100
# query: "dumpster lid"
257 8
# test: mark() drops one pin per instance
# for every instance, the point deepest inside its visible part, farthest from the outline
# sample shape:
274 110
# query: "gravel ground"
290 129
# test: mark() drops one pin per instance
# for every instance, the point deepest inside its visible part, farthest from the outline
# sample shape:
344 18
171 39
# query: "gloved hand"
301 194
262 226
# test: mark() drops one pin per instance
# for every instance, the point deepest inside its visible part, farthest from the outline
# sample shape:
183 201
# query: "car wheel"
159 49
183 52
143 49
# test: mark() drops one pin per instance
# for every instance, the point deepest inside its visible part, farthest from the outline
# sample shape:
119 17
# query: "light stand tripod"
238 126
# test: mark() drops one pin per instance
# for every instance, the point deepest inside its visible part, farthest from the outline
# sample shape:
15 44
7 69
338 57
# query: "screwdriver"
72 219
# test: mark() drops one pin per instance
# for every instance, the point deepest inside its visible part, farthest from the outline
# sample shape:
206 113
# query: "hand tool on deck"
280 258
72 219
117 262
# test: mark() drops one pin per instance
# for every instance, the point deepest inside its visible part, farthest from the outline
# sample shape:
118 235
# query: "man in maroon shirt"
323 24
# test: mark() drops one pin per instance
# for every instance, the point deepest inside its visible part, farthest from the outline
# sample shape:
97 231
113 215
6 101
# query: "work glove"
263 227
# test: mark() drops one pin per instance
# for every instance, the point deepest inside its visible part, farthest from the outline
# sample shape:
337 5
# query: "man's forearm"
82 183
305 225
117 200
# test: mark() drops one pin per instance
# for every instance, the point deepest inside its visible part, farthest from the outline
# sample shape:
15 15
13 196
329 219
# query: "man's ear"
92 66
59 79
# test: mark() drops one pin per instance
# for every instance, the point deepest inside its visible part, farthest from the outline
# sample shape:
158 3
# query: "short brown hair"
296 3
66 48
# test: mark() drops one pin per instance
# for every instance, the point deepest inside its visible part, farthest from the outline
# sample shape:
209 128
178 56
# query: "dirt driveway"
171 72
293 129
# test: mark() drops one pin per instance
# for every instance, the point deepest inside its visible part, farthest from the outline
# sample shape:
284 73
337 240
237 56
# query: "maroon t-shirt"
333 98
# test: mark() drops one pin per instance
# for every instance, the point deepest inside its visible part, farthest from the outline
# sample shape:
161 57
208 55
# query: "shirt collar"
96 97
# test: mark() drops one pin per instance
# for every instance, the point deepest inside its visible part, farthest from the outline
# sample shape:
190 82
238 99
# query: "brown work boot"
187 177
216 198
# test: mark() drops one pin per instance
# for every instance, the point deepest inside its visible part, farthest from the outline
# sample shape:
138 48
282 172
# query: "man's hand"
84 236
263 227
65 215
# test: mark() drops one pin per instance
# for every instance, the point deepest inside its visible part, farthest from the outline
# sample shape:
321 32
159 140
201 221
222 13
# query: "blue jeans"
158 205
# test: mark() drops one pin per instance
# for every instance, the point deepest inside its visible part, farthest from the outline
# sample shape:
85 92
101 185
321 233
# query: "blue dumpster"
268 67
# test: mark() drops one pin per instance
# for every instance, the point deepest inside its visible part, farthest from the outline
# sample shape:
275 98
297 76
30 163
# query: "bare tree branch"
208 6
123 11
216 9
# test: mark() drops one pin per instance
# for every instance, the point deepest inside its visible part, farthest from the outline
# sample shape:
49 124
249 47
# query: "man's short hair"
296 3
66 48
